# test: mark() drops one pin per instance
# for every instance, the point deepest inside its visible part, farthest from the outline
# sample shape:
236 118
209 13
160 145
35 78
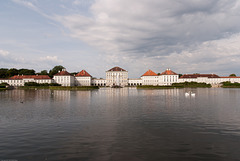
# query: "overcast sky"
187 36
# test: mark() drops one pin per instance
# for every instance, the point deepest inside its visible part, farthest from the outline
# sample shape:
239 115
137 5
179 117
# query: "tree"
11 72
43 72
55 70
74 73
26 72
3 72
232 75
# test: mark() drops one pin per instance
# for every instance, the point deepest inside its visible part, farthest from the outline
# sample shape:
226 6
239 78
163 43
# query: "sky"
187 36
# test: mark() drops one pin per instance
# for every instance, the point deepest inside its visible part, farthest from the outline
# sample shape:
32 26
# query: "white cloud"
188 36
51 59
77 2
26 4
152 27
178 32
4 53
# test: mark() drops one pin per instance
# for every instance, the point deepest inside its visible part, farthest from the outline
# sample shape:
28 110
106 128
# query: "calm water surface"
120 124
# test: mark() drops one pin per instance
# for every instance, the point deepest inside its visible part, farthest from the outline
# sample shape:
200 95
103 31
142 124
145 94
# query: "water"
120 124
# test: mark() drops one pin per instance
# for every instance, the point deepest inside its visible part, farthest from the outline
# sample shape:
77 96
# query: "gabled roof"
150 73
63 72
199 75
116 69
83 73
169 72
30 77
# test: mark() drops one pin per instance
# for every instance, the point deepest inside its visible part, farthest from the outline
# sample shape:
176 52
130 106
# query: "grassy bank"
230 85
192 85
74 88
155 87
60 87
33 87
3 86
3 89
177 85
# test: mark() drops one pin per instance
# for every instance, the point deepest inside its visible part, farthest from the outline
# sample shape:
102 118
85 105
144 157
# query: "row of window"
113 74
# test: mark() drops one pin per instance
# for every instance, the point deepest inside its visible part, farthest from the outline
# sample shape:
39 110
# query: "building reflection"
27 95
163 97
60 95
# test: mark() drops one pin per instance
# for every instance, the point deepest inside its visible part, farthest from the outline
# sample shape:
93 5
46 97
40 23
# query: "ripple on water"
120 124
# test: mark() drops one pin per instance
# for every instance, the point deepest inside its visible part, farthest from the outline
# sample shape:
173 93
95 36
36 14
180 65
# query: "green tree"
74 73
11 72
55 70
43 72
3 73
26 72
232 75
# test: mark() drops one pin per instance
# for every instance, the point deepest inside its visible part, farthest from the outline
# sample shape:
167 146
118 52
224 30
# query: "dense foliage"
75 88
3 85
153 87
55 70
7 73
178 85
34 84
230 85
232 75
191 85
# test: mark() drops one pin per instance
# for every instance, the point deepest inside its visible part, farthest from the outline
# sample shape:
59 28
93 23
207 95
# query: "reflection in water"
120 124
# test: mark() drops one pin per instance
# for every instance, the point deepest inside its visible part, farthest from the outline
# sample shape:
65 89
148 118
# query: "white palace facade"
119 77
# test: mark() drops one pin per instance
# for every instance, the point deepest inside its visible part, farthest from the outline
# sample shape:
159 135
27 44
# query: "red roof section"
199 75
83 73
117 69
30 77
150 73
169 72
63 72
230 77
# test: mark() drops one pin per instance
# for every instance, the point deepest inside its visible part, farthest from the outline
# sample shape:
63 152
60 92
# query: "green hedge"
177 85
154 87
74 88
192 85
34 84
230 85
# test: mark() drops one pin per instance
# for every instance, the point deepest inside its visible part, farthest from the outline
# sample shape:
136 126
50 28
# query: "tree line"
7 73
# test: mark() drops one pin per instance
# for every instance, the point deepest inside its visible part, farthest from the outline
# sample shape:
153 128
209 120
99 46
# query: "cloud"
188 36
173 32
26 4
9 60
218 56
144 27
4 52
77 2
51 59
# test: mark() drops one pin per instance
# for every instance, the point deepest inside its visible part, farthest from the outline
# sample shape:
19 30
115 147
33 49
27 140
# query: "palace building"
83 78
64 78
117 76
